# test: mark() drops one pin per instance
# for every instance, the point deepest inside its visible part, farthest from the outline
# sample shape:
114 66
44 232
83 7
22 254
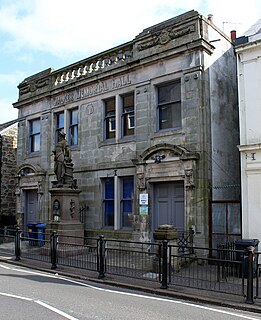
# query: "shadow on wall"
7 220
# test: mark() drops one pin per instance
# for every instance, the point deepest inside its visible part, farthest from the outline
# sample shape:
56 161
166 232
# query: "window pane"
59 125
109 188
74 117
35 126
109 213
60 120
127 201
128 100
128 116
110 121
74 135
35 143
170 116
127 213
169 106
219 218
127 187
73 130
234 218
109 202
169 93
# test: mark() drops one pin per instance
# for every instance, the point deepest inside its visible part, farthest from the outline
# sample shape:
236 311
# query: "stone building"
8 156
248 50
153 129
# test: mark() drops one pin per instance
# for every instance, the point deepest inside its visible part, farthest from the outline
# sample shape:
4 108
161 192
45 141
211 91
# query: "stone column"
169 233
65 214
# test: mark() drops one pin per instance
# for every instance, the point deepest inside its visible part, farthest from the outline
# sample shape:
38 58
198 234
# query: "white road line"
5 267
160 299
141 296
61 313
15 296
45 305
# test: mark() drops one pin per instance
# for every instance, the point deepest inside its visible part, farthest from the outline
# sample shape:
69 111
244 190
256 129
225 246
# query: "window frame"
127 113
171 103
34 135
73 136
59 128
106 200
124 200
110 118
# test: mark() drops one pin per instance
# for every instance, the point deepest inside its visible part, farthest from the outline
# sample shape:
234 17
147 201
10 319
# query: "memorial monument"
65 196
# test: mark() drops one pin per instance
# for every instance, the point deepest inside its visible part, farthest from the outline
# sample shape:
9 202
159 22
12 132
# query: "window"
169 106
128 117
67 122
35 127
110 118
108 202
73 127
59 124
127 186
119 119
118 202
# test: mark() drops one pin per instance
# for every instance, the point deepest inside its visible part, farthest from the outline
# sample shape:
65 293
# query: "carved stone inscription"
100 87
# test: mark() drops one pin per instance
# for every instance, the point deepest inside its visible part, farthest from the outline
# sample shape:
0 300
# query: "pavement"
145 286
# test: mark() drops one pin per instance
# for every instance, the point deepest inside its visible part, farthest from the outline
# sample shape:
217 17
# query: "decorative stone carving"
56 211
165 36
189 179
141 181
72 207
33 85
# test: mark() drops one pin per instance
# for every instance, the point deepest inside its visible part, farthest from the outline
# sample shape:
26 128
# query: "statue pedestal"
65 215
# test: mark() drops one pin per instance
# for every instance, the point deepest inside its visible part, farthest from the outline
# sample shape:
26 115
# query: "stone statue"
62 161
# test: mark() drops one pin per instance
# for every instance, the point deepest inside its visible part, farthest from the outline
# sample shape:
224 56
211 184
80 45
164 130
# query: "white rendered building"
248 49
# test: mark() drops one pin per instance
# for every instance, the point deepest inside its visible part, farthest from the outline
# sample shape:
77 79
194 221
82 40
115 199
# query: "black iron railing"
227 270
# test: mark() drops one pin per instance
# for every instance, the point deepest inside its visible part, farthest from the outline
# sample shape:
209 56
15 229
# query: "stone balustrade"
92 65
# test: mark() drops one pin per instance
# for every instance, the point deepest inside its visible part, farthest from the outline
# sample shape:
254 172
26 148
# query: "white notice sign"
144 199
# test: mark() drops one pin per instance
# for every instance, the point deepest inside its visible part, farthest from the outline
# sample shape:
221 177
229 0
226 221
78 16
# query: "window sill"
75 148
126 139
33 154
168 132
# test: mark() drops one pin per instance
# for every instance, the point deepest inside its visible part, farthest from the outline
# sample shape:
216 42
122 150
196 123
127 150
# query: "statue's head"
61 135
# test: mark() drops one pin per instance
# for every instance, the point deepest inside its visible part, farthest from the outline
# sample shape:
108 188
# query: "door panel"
169 204
163 206
31 214
179 216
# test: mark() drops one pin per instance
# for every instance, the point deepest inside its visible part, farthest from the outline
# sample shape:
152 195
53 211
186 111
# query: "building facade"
8 156
248 49
153 129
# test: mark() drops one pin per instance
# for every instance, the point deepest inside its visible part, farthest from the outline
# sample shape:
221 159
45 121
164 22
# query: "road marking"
61 313
137 295
160 299
45 305
15 296
5 267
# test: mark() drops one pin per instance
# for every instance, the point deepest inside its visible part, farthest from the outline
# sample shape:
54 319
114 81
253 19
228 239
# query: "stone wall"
8 173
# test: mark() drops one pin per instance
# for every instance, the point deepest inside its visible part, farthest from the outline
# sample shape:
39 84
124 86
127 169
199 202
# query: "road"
29 294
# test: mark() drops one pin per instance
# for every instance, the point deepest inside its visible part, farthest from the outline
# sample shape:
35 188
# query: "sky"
38 34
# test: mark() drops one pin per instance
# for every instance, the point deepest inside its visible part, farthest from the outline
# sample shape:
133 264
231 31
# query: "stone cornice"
172 37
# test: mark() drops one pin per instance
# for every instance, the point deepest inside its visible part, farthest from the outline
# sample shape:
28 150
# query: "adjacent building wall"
8 175
249 66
